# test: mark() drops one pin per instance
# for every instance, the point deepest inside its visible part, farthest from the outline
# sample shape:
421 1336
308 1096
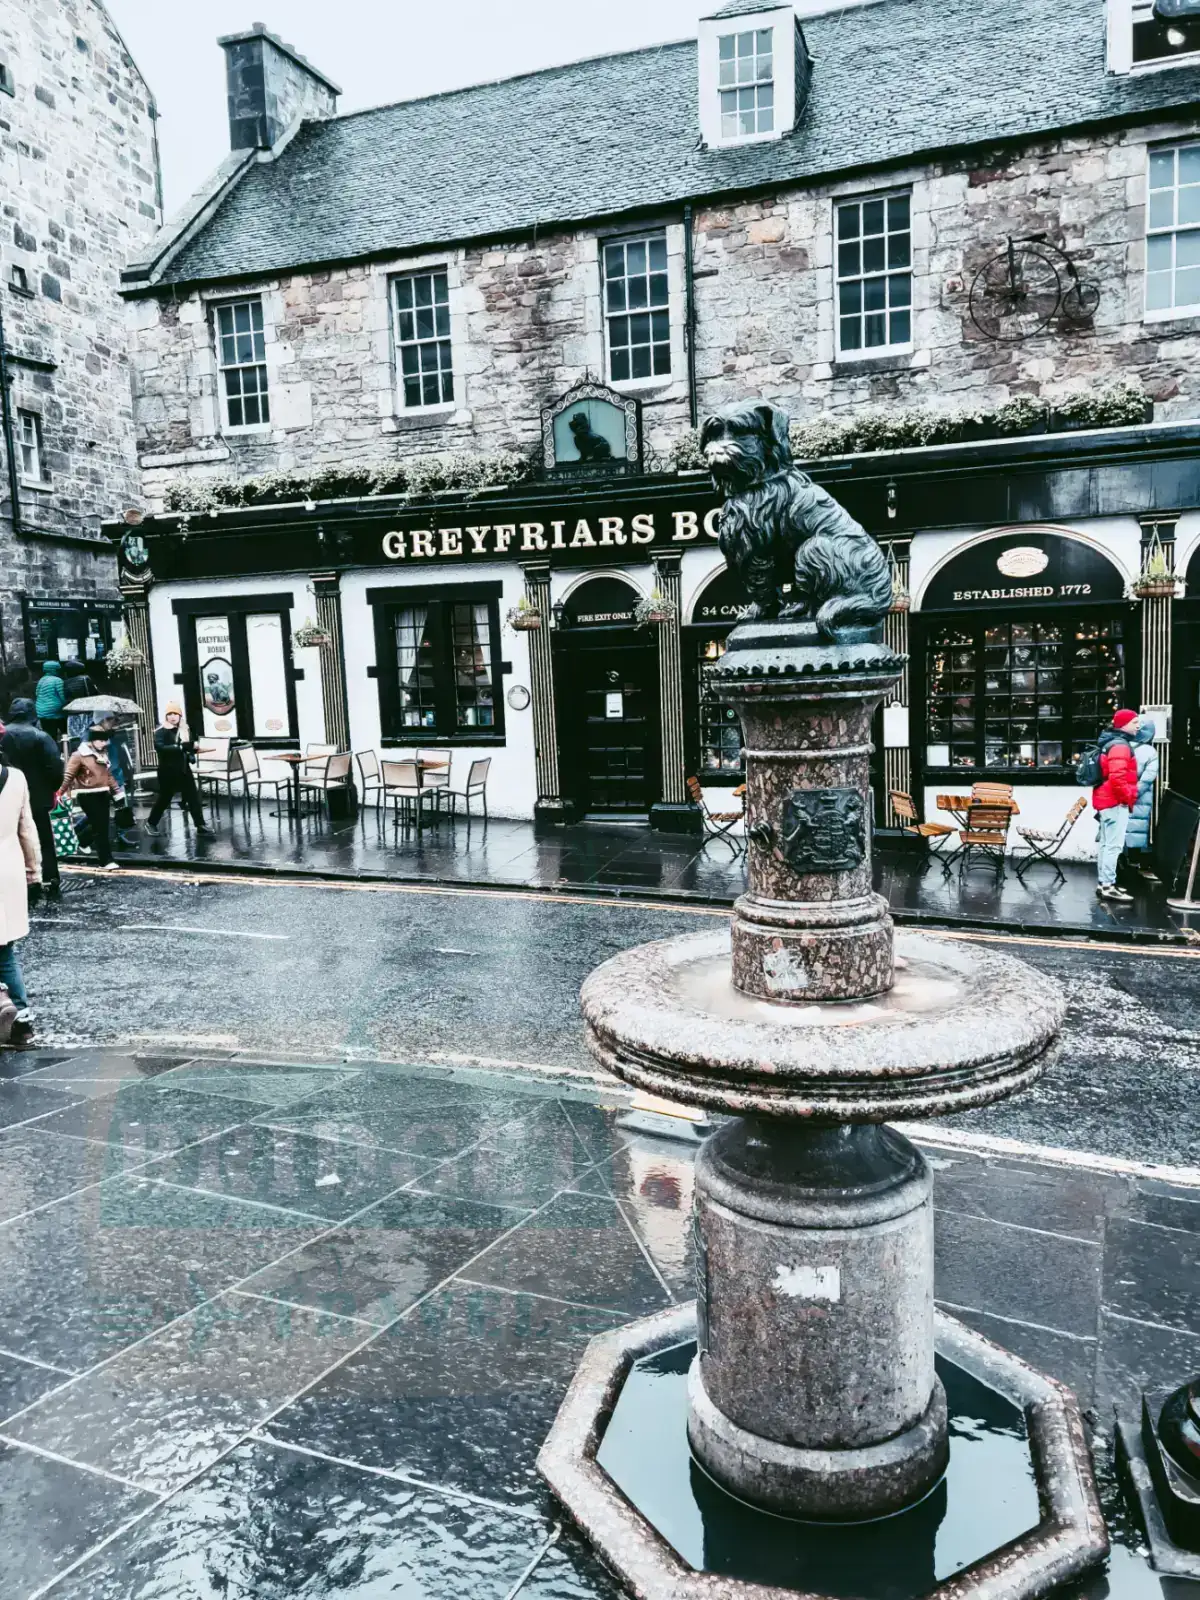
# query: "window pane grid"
29 446
636 306
242 355
415 661
423 338
1021 695
720 730
1173 229
746 80
471 643
874 273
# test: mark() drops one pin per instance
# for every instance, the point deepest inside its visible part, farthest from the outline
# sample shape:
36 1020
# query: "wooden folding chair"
986 834
1044 845
718 824
934 834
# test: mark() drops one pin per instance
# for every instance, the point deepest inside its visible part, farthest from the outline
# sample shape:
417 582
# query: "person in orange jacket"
1113 798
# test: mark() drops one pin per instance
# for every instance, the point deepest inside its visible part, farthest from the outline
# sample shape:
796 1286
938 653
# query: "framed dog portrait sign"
592 432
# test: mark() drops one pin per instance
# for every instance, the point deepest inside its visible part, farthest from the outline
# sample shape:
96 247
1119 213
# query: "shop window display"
720 730
439 675
1020 695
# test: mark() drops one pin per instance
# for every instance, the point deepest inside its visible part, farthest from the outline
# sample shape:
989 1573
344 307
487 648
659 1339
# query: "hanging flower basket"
524 617
901 600
311 636
652 610
124 657
1154 588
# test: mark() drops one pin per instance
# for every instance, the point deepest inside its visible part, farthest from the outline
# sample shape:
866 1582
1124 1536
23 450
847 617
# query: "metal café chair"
333 774
718 824
320 750
1045 844
475 788
216 768
986 834
402 789
437 781
254 780
370 781
935 834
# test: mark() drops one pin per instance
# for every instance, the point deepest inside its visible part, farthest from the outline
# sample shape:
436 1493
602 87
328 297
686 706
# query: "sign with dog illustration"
592 431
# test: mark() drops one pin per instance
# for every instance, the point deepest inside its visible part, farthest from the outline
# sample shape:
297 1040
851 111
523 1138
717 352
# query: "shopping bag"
63 829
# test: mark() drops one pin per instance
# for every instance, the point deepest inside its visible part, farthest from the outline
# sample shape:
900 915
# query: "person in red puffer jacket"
1113 798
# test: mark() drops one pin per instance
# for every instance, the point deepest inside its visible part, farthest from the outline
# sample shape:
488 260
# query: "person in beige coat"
20 865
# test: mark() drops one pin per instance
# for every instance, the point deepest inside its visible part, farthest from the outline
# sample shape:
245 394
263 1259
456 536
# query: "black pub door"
608 718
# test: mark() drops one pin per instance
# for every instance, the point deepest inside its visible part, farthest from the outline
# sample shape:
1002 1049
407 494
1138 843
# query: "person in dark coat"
1114 798
174 747
77 686
33 752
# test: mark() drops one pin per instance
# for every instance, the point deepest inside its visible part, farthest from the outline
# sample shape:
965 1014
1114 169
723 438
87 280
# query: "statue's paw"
752 613
796 609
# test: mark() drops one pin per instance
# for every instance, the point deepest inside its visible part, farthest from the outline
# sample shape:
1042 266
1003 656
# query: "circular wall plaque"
1022 561
518 697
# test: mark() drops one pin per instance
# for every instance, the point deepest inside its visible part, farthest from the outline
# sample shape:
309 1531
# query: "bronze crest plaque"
822 830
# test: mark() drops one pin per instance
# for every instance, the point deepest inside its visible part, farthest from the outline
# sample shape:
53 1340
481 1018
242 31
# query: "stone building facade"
79 192
913 209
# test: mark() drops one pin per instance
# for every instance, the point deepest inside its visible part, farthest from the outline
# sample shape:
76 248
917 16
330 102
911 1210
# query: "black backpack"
1088 773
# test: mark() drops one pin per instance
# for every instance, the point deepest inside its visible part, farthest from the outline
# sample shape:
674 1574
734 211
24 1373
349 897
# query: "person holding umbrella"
30 750
89 780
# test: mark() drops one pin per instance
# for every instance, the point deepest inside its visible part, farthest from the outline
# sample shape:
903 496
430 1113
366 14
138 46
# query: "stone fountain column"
814 1389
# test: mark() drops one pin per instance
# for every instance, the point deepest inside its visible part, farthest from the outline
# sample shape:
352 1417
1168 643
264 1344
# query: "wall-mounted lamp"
891 498
559 612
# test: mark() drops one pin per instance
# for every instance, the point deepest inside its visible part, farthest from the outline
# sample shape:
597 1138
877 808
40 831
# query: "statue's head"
745 444
579 425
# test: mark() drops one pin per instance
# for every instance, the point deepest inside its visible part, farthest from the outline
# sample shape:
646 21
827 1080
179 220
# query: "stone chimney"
270 85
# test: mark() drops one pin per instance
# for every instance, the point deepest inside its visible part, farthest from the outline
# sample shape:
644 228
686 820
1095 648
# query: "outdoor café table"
959 804
295 761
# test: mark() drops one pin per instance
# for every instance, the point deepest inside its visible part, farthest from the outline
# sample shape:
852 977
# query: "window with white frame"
423 338
242 358
1173 230
637 313
1161 40
29 446
746 83
874 274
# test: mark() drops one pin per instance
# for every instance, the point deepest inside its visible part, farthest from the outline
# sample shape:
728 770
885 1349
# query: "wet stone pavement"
277 1328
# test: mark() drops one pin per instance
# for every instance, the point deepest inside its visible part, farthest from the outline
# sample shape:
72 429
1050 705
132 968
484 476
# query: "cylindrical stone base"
819 1485
801 953
815 1318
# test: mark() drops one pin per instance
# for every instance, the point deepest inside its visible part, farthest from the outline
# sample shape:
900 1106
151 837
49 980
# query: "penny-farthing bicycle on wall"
1025 286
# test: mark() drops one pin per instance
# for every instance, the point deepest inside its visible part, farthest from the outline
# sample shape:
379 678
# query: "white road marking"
216 933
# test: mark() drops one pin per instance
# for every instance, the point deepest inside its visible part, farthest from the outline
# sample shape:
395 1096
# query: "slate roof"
612 135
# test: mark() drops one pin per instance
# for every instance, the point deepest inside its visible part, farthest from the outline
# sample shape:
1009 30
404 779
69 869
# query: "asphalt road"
406 975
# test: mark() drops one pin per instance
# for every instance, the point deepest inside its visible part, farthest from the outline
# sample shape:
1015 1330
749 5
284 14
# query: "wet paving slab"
275 1328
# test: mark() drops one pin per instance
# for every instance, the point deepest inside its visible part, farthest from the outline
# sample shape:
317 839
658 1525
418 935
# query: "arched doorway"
606 689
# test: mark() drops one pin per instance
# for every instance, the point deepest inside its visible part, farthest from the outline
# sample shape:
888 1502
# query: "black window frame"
440 598
237 607
978 621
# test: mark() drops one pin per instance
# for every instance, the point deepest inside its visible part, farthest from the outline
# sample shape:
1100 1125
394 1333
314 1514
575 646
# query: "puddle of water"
987 1497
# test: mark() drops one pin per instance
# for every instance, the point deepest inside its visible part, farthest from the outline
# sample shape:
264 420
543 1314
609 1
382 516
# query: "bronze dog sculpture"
778 527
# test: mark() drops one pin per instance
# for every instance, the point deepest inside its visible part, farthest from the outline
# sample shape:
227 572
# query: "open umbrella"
112 703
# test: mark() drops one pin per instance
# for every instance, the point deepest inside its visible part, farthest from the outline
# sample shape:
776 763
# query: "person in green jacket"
50 698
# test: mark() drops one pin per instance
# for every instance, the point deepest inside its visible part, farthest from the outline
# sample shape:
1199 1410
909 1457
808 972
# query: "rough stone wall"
526 321
78 195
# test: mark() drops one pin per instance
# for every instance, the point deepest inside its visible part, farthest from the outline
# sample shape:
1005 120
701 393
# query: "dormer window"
754 73
747 83
1148 35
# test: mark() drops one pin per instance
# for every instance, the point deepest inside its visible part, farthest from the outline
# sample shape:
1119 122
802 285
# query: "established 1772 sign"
1023 569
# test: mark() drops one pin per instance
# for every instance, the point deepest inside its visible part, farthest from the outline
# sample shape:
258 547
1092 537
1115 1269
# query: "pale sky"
377 50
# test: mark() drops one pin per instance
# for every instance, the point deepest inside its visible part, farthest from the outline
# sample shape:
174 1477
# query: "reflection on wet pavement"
271 1331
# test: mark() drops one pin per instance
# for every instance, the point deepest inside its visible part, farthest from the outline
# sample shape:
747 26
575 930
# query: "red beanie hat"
1123 719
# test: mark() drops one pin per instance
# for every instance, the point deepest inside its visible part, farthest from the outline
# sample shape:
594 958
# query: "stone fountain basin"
961 1027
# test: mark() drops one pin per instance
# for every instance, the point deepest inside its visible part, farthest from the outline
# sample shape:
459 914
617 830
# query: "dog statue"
778 527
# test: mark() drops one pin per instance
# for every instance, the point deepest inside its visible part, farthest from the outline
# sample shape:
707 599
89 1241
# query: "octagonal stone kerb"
1070 1538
